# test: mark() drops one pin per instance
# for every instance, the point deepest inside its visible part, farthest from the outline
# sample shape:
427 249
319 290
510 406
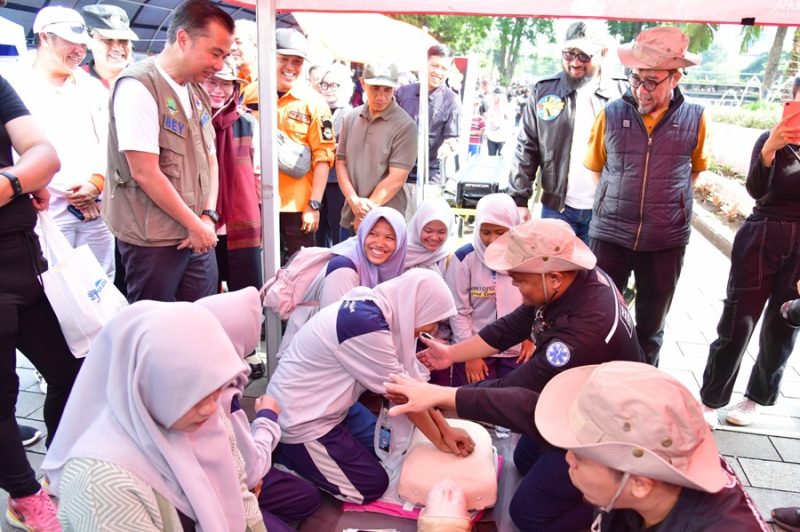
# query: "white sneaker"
711 417
42 383
743 414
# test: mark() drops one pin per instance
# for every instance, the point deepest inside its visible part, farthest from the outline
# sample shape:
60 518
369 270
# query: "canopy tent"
766 12
151 17
12 39
361 37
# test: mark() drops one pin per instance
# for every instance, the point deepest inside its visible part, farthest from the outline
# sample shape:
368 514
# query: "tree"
627 30
751 34
511 33
461 34
794 56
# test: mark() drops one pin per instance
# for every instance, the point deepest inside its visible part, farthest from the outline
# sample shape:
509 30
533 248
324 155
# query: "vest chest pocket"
171 164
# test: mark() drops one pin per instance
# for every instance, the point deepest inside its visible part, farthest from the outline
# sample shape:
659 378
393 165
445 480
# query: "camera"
791 312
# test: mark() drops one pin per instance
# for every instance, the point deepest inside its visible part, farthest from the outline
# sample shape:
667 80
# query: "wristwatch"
16 186
314 204
211 213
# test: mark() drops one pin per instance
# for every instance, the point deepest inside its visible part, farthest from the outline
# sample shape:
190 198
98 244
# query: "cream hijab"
146 369
431 210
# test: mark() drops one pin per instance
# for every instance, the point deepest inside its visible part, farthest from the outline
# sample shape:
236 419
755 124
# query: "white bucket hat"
539 246
634 418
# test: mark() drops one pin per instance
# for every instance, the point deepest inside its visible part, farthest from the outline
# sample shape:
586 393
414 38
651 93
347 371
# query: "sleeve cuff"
267 414
99 181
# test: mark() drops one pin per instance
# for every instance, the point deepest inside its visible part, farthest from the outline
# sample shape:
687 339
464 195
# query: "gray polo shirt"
370 145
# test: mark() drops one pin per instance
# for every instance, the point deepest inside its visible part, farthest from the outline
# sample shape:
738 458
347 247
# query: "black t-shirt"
19 214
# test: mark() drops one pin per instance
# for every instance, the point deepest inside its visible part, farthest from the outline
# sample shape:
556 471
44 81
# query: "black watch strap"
16 186
214 215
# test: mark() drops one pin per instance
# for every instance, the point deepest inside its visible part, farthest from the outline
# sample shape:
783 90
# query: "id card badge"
385 438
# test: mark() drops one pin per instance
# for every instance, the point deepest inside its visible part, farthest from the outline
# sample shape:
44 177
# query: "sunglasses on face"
648 84
569 55
325 86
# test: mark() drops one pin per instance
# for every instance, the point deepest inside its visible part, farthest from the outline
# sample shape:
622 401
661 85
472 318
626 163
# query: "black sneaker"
257 368
29 435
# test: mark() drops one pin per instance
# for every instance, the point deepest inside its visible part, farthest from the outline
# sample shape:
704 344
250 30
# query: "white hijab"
431 210
148 366
498 209
416 298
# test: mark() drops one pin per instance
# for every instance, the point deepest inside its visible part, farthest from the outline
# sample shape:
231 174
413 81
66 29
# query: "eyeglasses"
325 86
648 84
569 55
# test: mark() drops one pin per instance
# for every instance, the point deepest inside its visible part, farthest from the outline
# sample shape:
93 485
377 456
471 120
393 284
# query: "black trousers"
330 215
239 268
765 267
27 323
292 238
656 274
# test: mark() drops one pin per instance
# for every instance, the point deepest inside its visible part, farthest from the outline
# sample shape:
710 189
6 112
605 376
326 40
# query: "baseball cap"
228 73
634 418
110 22
66 23
659 48
291 42
588 37
383 74
539 246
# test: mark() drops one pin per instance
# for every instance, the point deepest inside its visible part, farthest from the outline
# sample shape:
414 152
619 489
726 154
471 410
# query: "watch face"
314 204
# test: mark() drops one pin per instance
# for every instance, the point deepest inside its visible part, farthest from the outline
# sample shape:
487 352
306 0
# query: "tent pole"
267 97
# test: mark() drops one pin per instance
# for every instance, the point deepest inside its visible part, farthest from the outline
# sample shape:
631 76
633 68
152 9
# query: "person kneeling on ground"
145 438
328 437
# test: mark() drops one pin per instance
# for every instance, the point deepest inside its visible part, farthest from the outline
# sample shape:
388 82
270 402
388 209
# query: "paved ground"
766 455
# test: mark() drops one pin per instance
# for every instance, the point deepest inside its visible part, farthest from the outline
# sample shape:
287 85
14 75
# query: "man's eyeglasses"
648 84
325 86
569 55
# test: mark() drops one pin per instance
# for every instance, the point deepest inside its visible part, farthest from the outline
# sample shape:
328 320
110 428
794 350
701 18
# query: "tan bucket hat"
659 48
539 246
634 418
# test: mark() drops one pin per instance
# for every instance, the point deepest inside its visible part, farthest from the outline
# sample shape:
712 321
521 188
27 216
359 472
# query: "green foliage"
462 34
701 36
750 34
756 115
628 30
511 33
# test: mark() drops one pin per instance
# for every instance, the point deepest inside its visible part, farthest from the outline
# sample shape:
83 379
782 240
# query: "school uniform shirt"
475 291
588 324
344 350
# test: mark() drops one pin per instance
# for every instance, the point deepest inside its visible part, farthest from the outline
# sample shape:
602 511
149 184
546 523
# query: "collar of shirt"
386 115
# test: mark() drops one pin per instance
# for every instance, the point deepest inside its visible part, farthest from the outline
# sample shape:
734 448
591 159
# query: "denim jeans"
578 219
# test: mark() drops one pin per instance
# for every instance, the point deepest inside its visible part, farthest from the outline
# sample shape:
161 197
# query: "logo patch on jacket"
558 354
327 129
299 117
172 106
549 107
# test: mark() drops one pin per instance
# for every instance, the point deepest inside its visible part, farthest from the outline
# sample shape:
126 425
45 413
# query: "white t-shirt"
136 113
580 185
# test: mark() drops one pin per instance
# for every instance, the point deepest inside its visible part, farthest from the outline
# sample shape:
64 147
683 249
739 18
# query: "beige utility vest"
184 146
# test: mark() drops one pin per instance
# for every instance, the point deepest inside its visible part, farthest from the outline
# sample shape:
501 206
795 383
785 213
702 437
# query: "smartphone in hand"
791 111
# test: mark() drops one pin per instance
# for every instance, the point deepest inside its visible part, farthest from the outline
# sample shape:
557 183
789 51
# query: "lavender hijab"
147 368
431 210
370 275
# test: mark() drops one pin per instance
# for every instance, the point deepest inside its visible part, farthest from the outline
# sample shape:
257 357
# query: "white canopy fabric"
361 37
765 12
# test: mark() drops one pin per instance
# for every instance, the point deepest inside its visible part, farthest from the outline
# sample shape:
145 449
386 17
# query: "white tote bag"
82 296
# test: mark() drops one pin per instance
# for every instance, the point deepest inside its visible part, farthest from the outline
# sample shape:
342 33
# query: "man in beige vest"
162 164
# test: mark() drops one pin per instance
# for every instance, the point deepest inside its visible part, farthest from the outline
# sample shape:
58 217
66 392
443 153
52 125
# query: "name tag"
174 125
